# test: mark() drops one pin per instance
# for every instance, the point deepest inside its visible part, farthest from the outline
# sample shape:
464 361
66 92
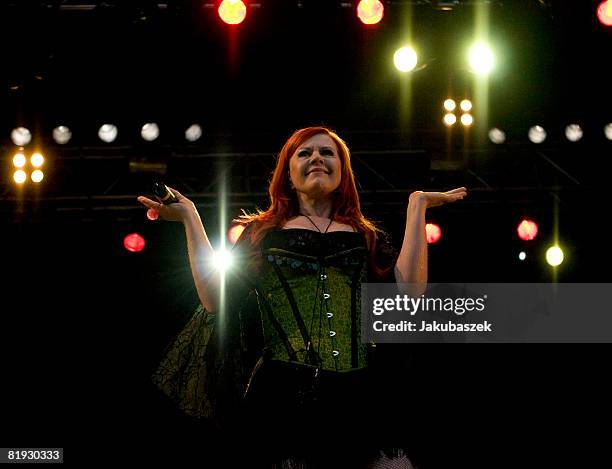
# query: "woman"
283 359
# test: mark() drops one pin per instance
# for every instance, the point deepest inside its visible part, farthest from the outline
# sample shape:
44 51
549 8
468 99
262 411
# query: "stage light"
234 233
449 105
21 136
107 133
134 242
450 119
62 135
405 59
152 214
573 132
37 175
604 13
537 134
149 132
19 160
467 120
222 260
193 133
466 105
232 11
608 131
554 256
497 136
433 233
20 176
481 59
37 160
370 11
522 256
527 230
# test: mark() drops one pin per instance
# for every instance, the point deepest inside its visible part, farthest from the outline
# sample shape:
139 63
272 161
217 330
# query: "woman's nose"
316 155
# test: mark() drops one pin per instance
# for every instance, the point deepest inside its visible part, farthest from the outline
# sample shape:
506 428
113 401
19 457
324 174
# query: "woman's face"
315 167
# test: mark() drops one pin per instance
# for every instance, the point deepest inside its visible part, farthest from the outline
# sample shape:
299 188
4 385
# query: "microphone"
163 194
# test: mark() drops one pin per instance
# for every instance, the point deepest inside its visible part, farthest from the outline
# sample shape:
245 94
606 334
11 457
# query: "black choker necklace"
315 225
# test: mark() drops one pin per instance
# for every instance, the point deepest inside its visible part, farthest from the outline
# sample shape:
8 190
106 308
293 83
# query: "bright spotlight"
466 105
37 175
467 119
481 59
20 176
537 134
604 13
608 131
554 256
193 133
150 131
232 11
107 133
222 260
497 136
21 136
450 119
37 160
449 105
573 132
62 134
405 59
19 160
522 255
370 11
433 233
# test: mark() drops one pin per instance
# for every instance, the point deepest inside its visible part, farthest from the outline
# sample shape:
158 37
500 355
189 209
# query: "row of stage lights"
108 132
371 12
21 136
149 132
527 230
537 134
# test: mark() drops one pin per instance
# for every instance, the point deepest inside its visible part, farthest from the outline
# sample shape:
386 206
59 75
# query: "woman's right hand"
178 211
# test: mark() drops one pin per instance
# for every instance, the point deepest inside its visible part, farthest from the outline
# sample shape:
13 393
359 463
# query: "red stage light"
234 233
134 242
370 11
527 230
232 11
604 13
433 233
152 214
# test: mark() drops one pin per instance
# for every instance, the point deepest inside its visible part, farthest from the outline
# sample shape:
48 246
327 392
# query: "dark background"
84 322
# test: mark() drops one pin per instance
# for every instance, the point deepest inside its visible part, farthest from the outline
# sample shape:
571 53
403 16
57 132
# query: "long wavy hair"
284 203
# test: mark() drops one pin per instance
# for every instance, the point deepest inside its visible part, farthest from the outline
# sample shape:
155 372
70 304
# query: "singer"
278 359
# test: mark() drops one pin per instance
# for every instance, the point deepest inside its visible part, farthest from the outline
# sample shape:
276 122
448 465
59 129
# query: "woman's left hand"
433 199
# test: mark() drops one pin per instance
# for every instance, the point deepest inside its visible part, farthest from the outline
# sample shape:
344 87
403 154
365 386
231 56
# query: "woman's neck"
315 207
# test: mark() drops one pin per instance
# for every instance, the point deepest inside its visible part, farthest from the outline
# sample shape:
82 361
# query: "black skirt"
292 410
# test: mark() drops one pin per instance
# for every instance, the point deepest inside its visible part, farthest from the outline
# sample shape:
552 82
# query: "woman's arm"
411 264
200 252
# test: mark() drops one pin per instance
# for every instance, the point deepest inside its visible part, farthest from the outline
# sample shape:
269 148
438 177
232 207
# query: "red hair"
284 203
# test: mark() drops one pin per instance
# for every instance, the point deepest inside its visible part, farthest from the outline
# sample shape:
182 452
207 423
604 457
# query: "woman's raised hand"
433 199
178 211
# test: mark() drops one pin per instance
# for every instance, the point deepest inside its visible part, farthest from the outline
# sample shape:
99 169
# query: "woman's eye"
327 152
303 153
